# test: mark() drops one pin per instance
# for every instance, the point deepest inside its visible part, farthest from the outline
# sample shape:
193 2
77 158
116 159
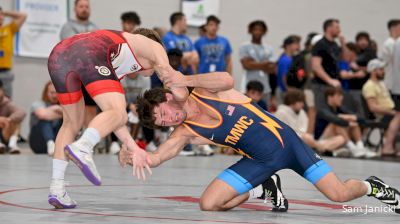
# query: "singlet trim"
212 109
219 100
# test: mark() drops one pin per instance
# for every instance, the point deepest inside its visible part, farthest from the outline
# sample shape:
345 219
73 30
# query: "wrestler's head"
157 108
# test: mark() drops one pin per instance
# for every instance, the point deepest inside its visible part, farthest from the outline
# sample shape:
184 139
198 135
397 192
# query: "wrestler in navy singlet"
267 144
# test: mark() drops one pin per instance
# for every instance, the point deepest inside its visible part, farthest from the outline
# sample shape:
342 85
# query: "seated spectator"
46 121
381 104
254 90
11 117
332 120
293 114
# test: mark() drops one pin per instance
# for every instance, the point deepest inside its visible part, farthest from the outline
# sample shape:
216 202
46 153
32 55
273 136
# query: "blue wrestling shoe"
273 192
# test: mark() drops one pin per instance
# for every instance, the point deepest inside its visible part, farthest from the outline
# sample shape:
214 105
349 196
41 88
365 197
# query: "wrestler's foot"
384 193
272 191
58 197
84 161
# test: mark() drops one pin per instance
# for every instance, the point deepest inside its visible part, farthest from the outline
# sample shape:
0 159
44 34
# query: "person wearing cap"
381 104
291 46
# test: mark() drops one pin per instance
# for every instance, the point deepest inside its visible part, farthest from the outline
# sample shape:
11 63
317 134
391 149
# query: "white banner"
196 11
41 30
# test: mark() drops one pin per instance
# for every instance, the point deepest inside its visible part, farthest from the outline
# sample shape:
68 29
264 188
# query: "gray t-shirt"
36 105
258 53
134 87
73 27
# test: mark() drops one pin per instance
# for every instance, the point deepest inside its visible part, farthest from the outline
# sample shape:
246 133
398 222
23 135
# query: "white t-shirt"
387 57
396 68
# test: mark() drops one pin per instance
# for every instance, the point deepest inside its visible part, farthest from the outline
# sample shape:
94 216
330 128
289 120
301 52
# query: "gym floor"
171 194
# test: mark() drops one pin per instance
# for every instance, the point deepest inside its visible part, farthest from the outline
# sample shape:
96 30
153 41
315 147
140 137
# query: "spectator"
332 120
202 30
11 117
387 52
346 65
254 90
365 53
130 21
6 46
293 114
82 24
46 120
381 104
326 54
300 75
256 58
214 50
176 38
291 46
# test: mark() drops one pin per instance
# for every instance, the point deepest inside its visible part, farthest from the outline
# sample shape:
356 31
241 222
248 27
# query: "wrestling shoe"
58 197
84 161
384 193
273 192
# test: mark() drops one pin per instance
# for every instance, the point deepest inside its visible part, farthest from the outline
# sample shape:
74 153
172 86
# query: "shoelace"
385 193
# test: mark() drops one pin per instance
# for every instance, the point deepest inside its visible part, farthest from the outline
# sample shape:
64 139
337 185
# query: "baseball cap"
375 64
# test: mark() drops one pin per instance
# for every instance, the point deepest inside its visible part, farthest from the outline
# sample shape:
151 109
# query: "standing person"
7 33
130 21
326 54
387 51
11 117
214 50
81 24
256 58
216 113
291 46
98 60
176 38
46 120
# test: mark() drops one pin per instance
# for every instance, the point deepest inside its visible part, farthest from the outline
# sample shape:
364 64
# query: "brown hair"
331 91
149 33
293 96
146 103
45 97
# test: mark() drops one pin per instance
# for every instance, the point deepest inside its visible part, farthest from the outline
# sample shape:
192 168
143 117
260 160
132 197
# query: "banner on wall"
196 11
41 30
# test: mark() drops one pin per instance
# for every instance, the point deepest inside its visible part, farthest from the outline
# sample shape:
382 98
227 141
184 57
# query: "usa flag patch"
229 110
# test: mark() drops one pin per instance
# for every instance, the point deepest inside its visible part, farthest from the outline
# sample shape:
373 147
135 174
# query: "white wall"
283 17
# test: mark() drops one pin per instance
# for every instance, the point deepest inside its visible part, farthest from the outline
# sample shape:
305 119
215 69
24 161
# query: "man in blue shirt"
291 46
176 38
214 50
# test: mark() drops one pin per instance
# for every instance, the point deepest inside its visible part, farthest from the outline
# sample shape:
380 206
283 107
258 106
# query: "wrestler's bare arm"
179 138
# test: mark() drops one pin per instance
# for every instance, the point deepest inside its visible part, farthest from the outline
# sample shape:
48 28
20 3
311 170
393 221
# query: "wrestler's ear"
169 96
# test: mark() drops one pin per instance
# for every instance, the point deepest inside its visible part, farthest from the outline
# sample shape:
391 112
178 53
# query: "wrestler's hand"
170 77
140 160
124 156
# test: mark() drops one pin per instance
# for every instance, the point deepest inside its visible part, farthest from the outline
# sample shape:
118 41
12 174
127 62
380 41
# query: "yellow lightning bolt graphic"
270 124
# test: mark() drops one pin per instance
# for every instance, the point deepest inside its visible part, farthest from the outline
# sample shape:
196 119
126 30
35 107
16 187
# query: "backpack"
297 76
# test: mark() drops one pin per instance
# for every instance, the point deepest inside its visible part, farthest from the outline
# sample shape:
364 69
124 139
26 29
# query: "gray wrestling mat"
171 194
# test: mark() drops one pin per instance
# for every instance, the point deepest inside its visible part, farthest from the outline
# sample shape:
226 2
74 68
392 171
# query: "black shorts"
396 100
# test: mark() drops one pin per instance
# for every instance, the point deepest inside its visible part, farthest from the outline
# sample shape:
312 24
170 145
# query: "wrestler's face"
82 10
169 113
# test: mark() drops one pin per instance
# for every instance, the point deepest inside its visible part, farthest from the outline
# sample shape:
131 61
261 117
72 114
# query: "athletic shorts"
85 59
396 100
249 173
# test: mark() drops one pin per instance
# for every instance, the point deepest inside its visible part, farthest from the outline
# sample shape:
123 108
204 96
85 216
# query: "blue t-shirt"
284 63
181 41
212 53
344 66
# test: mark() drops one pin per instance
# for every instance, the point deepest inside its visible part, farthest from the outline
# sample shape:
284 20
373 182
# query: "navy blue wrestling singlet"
266 143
